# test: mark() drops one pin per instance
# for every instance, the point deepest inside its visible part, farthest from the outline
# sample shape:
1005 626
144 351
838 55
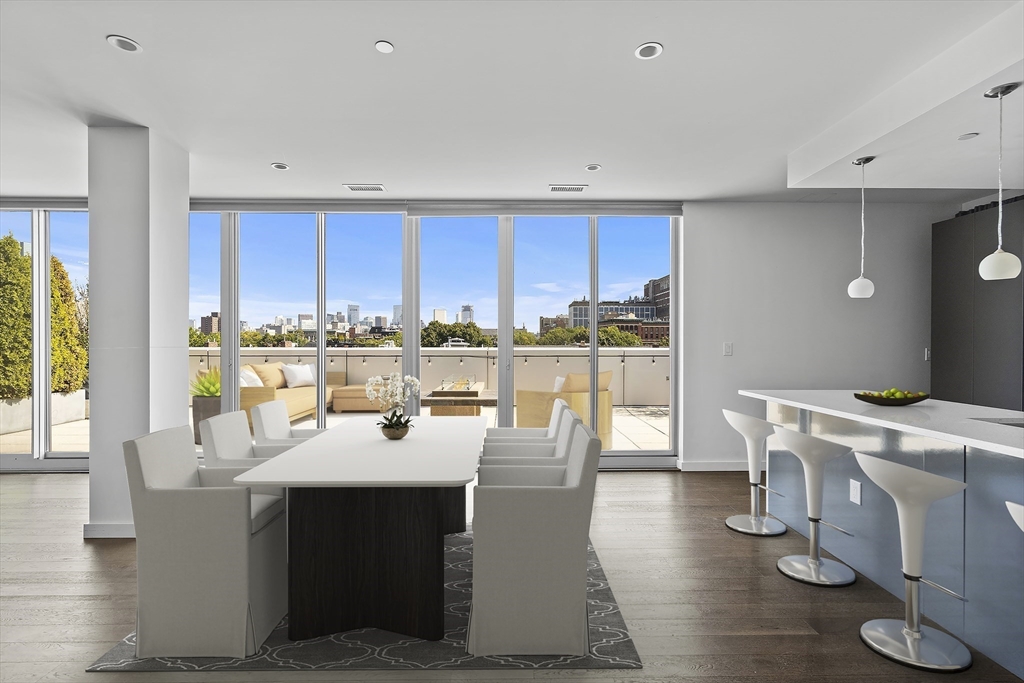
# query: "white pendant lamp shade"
861 288
1000 265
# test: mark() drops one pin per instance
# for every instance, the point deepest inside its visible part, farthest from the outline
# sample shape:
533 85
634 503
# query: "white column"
138 286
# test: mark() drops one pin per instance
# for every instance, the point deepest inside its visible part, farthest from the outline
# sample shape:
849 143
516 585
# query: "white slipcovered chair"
211 555
227 443
502 434
530 535
538 452
270 425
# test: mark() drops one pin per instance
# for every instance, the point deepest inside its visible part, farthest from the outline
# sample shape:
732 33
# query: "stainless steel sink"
1008 421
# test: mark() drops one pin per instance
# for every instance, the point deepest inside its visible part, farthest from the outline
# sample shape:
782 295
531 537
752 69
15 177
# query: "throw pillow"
580 381
250 378
298 375
559 383
270 374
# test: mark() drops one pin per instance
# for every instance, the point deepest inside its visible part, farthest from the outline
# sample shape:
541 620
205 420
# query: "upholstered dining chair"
530 535
501 434
270 425
227 442
211 556
537 452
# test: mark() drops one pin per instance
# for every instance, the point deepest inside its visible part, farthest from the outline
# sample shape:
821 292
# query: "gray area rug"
370 648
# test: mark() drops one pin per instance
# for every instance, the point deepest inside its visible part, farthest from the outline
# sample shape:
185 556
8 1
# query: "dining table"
367 518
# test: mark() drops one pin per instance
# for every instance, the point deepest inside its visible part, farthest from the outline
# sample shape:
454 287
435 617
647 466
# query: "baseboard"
108 531
716 466
25 463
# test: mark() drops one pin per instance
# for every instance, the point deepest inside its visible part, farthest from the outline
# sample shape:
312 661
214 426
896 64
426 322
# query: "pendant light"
1000 265
861 288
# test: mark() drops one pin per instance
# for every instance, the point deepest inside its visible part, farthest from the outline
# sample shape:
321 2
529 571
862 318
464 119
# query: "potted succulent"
205 390
391 393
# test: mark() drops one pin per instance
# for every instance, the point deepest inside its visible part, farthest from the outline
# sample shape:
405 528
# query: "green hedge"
69 357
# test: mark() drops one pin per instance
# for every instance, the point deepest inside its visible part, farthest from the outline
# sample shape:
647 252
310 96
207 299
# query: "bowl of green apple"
891 397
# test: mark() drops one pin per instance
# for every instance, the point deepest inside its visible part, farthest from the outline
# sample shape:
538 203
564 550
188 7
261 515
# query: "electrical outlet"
855 492
927 353
727 349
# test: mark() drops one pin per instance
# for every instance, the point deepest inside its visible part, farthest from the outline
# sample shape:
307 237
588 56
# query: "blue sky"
459 262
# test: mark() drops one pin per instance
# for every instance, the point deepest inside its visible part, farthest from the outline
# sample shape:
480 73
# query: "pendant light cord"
862 219
999 223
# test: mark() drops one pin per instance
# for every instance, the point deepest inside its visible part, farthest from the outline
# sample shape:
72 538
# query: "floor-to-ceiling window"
277 291
551 356
15 332
204 315
458 313
69 331
364 318
633 331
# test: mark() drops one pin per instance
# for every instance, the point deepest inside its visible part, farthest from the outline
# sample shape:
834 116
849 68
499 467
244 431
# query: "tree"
437 333
251 338
82 302
68 358
521 337
15 320
613 336
558 336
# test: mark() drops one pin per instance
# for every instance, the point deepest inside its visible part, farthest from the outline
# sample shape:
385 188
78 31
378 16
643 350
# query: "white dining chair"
270 425
530 536
211 556
534 451
227 442
549 433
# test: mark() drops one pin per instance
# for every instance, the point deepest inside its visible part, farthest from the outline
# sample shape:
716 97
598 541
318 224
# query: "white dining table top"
438 451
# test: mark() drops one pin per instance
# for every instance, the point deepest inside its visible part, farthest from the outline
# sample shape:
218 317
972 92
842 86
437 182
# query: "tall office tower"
458 316
441 315
340 317
279 320
396 315
210 323
380 321
467 313
353 314
290 322
193 324
304 320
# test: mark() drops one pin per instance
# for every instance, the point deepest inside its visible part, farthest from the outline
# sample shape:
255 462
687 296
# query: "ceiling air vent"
567 188
373 187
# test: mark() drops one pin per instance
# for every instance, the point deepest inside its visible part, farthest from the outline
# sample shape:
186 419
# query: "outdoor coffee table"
366 523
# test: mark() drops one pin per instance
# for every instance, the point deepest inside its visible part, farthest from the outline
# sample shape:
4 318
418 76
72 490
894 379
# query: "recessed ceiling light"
277 165
384 46
593 167
648 51
122 43
968 136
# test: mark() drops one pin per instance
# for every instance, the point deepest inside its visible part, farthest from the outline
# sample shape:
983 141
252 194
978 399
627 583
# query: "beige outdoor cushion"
580 381
271 374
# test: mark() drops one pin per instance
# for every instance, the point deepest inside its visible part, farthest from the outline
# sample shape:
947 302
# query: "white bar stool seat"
1017 512
814 453
908 642
754 431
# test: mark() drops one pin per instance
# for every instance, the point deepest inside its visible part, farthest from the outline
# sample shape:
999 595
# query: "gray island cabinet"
972 544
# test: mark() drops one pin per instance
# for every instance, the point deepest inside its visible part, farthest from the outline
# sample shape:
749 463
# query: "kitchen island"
972 545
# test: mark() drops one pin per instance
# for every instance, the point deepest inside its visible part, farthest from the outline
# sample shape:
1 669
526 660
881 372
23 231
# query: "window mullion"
40 333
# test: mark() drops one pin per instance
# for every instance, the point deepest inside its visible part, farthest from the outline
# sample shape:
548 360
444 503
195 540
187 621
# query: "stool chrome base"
933 650
756 526
817 572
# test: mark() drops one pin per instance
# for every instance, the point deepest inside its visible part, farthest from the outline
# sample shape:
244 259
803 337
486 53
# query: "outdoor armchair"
530 537
270 425
211 556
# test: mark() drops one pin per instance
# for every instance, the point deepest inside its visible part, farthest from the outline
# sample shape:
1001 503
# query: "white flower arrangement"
393 391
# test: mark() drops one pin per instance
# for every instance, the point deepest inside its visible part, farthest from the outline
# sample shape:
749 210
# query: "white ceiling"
480 100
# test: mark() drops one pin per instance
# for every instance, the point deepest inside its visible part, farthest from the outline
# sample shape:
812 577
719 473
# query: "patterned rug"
369 648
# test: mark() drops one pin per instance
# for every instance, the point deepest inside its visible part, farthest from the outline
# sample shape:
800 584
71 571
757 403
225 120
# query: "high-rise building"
548 324
396 315
380 321
279 320
304 316
441 315
353 314
467 313
339 317
290 322
193 324
579 311
243 326
657 292
210 324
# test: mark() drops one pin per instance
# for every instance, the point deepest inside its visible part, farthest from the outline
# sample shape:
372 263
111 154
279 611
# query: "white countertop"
937 419
438 451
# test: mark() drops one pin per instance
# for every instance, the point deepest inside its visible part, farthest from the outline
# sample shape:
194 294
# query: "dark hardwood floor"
702 603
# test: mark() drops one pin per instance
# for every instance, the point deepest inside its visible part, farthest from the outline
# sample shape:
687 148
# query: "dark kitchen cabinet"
977 325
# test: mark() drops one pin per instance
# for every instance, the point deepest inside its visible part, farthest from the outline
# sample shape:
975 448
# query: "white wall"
771 278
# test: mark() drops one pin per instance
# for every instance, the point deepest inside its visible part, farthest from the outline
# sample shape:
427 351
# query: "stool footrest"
762 486
944 590
833 526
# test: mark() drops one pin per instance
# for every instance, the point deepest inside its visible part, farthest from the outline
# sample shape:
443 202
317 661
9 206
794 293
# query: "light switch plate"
855 492
727 349
927 353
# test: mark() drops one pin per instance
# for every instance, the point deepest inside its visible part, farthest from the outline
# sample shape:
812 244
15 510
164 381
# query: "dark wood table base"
369 557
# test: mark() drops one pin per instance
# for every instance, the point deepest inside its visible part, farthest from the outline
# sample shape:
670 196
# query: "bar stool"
754 431
814 453
908 642
1017 512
